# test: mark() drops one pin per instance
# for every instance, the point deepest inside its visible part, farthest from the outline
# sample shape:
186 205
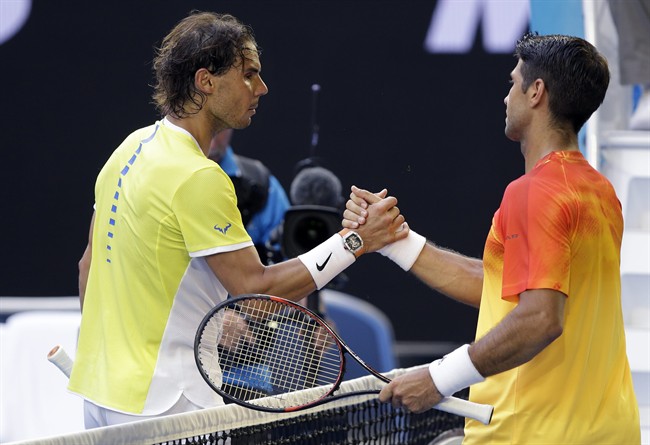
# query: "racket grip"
61 360
465 408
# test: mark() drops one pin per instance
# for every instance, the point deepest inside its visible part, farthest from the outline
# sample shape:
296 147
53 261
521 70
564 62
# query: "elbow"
552 328
84 261
544 314
554 332
83 265
543 326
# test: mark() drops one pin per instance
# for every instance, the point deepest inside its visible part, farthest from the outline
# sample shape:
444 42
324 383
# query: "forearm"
450 273
242 272
531 326
291 281
319 266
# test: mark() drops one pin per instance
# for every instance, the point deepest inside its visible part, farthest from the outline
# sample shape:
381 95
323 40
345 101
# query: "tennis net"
353 420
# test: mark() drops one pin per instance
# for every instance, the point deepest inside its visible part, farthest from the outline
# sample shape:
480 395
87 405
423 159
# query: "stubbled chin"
510 135
244 123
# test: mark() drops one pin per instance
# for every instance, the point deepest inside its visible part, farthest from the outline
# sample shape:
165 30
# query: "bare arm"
448 272
84 264
530 327
242 272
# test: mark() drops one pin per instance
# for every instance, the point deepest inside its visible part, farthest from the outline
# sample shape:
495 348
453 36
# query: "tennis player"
550 343
167 242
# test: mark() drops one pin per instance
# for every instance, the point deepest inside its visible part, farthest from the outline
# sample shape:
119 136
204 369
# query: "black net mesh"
369 422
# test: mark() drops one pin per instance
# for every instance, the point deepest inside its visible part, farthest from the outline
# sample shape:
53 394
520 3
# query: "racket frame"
340 345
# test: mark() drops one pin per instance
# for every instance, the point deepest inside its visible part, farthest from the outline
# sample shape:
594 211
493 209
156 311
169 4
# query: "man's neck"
197 127
541 144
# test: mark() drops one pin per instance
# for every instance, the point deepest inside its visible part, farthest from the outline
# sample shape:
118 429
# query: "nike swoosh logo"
320 267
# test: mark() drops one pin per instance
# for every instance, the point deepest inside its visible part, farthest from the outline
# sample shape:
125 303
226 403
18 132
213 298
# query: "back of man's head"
575 75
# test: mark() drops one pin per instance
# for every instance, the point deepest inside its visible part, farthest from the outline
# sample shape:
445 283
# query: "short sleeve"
205 206
536 229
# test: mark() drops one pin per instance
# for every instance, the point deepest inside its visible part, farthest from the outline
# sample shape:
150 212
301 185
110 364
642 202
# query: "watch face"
353 241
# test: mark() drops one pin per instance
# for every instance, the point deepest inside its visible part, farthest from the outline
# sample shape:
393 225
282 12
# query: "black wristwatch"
352 241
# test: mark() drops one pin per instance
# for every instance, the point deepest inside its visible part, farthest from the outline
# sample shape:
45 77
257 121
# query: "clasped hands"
376 217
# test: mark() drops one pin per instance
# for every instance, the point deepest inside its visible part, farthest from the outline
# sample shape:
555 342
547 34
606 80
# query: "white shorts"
96 416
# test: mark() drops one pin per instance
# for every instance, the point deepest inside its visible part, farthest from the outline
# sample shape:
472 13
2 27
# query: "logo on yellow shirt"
224 230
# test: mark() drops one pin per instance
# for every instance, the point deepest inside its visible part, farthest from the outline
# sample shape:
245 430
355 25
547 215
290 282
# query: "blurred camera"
306 226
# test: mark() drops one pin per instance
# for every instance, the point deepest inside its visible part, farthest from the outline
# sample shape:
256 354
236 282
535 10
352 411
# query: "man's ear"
204 81
537 92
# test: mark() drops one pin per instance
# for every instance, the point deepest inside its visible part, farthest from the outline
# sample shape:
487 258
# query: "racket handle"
61 360
465 408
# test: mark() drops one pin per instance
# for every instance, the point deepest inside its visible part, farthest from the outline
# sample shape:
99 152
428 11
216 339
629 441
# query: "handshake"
381 226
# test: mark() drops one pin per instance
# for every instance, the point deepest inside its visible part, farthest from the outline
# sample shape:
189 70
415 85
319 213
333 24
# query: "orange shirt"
559 227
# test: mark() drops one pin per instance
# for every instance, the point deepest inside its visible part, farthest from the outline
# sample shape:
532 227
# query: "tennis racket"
255 347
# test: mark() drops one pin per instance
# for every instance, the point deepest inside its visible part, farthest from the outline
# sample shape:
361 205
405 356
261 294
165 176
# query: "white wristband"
405 251
327 260
455 371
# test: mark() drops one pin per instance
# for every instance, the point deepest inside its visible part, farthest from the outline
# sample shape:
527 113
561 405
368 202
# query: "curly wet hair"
208 40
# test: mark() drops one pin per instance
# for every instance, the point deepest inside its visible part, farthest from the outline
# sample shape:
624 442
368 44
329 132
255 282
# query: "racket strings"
266 348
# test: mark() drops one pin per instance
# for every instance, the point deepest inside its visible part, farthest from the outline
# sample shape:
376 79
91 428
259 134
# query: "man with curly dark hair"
167 242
